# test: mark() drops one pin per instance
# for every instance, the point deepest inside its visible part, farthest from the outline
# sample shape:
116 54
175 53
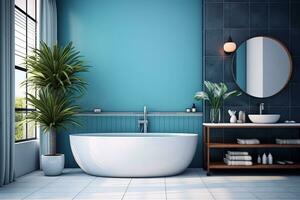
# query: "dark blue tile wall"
243 19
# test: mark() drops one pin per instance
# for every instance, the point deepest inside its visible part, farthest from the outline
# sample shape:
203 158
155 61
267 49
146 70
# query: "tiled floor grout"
84 187
253 193
126 189
166 192
207 188
41 187
193 184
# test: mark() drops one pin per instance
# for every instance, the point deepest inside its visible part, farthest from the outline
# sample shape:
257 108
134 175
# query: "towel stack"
238 158
248 141
287 141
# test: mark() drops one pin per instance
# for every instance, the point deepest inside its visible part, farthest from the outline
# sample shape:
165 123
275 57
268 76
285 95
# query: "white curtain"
48 34
48 21
7 93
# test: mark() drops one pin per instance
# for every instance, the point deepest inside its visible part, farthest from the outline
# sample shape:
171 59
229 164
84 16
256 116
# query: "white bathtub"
133 154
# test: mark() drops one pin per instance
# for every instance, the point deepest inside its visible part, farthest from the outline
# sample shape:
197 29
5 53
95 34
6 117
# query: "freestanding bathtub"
133 154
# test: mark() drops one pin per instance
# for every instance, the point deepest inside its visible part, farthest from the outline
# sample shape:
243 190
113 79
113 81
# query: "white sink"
264 119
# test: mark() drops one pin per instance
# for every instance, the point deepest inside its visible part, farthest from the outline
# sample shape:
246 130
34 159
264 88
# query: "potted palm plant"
215 95
54 73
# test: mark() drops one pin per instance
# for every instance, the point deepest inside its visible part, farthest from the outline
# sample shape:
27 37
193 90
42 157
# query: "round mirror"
262 66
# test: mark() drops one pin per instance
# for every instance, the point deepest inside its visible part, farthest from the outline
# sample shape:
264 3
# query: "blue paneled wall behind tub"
120 124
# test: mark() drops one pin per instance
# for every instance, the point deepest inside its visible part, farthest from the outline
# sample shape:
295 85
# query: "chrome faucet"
261 108
143 123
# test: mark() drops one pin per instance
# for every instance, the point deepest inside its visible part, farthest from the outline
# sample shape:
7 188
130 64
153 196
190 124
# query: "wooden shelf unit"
220 165
226 145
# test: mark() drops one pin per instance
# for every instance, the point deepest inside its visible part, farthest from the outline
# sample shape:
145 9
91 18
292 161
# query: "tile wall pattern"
243 19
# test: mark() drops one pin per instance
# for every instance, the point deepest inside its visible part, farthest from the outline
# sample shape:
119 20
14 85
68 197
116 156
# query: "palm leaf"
216 94
53 110
201 96
57 68
231 94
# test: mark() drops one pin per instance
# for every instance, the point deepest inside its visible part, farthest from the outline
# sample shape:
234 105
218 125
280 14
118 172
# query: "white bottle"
264 159
270 159
258 159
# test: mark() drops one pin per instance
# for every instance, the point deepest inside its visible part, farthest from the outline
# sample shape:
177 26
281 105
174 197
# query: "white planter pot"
53 165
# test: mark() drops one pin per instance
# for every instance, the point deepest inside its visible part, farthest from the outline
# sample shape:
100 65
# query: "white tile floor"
193 184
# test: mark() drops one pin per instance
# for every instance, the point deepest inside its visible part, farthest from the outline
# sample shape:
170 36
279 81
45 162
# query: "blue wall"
142 52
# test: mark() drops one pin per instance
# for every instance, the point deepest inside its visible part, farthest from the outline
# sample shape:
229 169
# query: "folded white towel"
248 141
240 158
287 141
243 163
237 153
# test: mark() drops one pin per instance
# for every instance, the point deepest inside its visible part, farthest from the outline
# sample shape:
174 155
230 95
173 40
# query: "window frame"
25 110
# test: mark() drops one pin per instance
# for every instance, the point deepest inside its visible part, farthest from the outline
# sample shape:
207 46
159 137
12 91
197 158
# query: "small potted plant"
54 74
215 95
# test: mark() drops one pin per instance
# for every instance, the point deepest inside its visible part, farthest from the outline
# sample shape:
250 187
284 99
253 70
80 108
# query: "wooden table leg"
204 147
208 150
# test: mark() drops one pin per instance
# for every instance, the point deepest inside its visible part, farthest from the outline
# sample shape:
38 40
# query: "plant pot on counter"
53 164
215 115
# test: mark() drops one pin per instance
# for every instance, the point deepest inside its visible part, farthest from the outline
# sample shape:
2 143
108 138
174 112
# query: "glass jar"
215 115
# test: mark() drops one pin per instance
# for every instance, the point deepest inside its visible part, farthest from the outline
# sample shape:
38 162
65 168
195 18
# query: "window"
25 41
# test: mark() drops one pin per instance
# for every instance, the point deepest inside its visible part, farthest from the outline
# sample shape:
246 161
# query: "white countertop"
250 125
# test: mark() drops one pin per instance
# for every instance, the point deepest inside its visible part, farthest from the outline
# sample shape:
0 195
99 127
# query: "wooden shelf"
220 165
224 145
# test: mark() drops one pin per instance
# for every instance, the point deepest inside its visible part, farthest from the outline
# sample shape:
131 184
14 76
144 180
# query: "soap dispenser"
270 159
258 159
264 159
194 108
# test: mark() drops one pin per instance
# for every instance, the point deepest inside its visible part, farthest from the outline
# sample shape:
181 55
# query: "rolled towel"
237 153
287 141
248 141
235 162
293 141
280 141
240 158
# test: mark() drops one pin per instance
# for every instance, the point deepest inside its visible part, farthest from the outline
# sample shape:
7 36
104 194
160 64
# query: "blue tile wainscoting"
96 123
